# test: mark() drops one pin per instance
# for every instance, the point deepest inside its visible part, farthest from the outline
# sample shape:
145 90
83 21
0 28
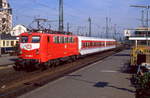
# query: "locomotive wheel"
28 68
18 65
73 58
16 68
57 62
44 66
70 60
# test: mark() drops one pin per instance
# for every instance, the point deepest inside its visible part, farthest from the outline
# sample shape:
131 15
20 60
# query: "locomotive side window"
61 39
35 39
56 39
24 39
71 40
66 39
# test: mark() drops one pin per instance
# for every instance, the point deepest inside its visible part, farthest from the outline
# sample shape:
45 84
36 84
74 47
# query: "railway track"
14 83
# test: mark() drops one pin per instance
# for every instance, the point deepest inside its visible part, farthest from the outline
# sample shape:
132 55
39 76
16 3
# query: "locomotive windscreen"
24 39
35 39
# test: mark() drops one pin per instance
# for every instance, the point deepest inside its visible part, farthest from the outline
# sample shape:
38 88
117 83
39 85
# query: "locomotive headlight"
20 52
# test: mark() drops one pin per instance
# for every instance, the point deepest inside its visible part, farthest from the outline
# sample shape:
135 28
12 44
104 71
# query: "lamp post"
90 26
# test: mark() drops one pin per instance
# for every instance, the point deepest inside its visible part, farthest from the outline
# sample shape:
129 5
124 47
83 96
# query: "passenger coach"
88 45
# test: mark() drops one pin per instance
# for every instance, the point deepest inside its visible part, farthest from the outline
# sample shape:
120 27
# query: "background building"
18 29
5 17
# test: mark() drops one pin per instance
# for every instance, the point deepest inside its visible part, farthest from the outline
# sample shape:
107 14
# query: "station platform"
103 79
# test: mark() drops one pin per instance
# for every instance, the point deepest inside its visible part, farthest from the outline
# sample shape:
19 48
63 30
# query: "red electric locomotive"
40 50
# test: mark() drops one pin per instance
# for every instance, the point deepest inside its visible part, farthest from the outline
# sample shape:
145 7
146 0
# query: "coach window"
85 44
35 39
88 44
7 43
101 44
3 43
82 44
12 43
98 43
24 39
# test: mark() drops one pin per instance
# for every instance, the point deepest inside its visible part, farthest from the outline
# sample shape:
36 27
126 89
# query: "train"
42 50
8 44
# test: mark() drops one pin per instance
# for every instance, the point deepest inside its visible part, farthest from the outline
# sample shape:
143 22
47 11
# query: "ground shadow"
106 84
102 84
122 55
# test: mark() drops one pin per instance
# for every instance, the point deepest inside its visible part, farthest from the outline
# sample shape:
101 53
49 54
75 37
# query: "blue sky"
78 11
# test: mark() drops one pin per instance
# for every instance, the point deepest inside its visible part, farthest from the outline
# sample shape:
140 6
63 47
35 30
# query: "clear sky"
76 12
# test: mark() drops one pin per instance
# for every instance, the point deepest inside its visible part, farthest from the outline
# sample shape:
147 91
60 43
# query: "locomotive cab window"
24 39
35 39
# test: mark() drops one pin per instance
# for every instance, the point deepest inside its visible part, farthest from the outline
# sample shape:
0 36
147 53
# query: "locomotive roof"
80 37
39 33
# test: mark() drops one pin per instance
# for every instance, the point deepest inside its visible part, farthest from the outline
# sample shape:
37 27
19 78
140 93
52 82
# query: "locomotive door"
49 46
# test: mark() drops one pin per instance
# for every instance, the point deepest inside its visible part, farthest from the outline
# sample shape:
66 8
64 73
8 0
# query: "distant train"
8 44
39 50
